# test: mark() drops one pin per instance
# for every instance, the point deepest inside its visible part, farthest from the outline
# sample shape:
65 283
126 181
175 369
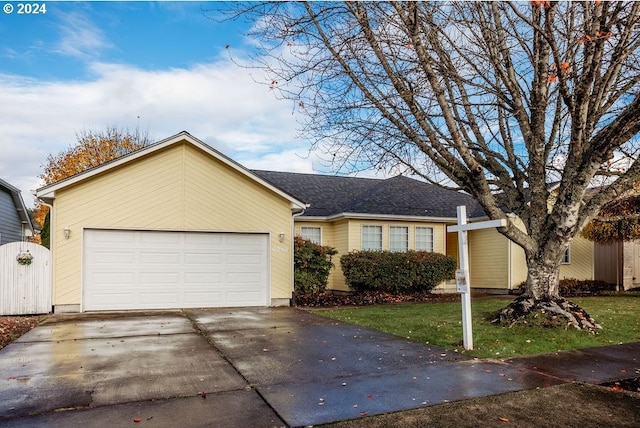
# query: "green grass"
441 324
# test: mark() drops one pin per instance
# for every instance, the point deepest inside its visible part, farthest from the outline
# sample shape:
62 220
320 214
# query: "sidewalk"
577 401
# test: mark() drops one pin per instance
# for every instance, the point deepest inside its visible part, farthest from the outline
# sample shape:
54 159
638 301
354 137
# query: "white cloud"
217 103
80 37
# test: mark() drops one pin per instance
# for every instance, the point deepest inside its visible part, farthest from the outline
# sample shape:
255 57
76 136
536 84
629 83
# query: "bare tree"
499 99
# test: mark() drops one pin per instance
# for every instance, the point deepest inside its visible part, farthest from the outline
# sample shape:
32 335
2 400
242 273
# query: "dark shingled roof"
332 195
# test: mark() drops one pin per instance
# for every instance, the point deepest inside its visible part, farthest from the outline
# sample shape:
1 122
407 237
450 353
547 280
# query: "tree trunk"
541 303
543 279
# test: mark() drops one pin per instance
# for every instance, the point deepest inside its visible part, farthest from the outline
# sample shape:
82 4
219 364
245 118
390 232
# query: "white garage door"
124 269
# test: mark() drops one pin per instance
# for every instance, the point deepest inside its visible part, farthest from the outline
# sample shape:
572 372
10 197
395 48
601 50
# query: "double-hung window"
424 239
372 238
313 234
398 238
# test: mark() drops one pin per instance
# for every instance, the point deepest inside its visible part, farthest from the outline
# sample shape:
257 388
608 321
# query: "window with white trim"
372 238
424 239
566 258
313 234
398 238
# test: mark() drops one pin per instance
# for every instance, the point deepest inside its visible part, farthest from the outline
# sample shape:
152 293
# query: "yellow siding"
581 260
179 188
488 259
519 268
341 244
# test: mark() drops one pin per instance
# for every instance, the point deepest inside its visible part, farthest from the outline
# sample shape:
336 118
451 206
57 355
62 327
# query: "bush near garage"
396 272
312 264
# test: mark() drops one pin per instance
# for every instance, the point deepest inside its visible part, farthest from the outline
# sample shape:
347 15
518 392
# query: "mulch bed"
13 327
329 299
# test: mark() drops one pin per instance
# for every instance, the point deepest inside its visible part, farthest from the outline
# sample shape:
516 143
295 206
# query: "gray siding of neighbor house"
10 224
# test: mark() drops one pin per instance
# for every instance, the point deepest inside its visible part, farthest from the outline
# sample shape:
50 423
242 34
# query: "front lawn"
441 324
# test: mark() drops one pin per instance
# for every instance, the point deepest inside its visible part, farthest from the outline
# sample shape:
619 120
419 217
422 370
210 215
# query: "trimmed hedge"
570 287
312 264
396 272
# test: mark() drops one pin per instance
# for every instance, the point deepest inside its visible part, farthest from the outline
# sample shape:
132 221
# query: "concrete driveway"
230 368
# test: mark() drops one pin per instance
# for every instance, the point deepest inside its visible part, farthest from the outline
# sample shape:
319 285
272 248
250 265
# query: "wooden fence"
25 289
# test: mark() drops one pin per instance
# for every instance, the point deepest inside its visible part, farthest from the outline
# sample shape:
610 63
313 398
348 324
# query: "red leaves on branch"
606 35
539 4
565 68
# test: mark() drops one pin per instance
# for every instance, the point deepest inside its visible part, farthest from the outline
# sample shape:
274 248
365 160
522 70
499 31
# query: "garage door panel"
120 257
240 296
207 259
244 259
194 279
159 278
242 278
194 300
149 257
128 269
124 300
158 238
114 278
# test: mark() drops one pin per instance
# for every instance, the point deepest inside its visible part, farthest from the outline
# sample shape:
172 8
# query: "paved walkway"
254 367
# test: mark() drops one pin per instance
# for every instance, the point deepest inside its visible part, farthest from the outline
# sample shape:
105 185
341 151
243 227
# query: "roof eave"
380 217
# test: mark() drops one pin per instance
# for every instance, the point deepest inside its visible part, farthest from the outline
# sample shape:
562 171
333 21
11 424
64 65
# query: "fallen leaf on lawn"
202 394
136 419
503 419
623 370
364 413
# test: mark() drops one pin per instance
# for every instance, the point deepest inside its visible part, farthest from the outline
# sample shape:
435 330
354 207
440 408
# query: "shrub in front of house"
570 287
396 272
312 266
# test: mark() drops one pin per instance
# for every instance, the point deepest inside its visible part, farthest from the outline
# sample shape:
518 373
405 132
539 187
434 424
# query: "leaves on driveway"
13 327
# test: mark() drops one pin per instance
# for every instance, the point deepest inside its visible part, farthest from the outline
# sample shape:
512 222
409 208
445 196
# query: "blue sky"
161 67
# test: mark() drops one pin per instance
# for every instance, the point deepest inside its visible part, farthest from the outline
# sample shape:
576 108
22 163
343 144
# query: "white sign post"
462 275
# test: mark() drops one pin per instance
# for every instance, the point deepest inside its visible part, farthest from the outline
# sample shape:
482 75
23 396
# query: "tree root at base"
558 312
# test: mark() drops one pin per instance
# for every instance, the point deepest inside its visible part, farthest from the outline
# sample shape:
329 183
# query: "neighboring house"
177 224
15 223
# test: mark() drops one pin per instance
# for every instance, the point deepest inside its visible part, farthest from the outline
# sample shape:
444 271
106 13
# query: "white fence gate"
25 289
